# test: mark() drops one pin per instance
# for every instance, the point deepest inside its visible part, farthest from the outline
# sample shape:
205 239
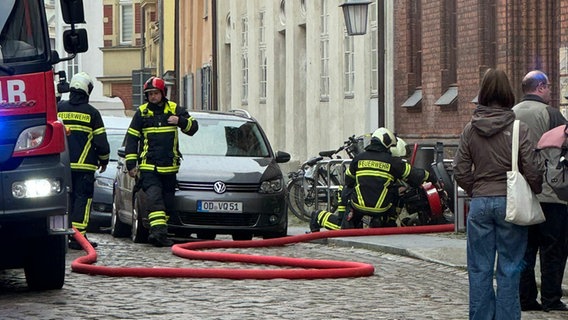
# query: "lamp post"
355 15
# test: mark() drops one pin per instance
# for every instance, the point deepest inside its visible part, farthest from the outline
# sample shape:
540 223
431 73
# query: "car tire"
278 234
45 265
118 229
241 236
139 233
206 235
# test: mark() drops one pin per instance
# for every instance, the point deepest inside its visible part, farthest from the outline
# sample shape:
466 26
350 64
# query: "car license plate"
219 206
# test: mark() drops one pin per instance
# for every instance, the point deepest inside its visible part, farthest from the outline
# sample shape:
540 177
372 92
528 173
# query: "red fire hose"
303 268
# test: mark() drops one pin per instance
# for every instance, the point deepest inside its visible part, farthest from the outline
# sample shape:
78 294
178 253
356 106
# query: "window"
206 87
415 54
244 59
448 54
126 22
324 52
374 50
348 65
72 67
262 57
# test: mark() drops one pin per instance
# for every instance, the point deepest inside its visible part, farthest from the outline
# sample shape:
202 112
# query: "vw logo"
219 187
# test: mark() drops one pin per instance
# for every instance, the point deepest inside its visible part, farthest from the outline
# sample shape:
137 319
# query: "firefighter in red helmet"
152 154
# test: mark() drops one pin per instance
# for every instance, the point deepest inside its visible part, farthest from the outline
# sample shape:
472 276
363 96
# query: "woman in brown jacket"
480 167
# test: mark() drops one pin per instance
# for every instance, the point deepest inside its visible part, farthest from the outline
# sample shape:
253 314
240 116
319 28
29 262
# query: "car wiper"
7 69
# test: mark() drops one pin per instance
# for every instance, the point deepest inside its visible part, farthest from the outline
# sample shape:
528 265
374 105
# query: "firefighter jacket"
371 175
88 144
152 143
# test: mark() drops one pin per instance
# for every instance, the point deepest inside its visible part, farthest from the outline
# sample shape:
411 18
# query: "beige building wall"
295 116
195 47
168 52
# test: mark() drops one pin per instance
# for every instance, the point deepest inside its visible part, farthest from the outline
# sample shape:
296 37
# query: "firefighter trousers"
160 191
80 199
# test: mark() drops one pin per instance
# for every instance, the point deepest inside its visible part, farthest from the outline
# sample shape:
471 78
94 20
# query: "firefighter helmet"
82 81
155 83
385 137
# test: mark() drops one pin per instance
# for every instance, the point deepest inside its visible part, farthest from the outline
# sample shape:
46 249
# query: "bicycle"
303 194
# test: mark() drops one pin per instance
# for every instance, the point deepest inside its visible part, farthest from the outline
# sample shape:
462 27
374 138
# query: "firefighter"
153 156
370 186
88 149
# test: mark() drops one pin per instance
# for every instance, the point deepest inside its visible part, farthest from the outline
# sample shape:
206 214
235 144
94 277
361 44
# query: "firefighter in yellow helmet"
370 187
88 149
153 156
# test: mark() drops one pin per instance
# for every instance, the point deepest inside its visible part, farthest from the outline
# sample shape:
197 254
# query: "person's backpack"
553 146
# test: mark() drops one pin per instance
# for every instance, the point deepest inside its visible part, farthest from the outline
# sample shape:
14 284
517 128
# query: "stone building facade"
292 65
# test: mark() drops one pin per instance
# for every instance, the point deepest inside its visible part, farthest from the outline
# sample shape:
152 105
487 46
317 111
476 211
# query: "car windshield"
115 141
21 35
215 137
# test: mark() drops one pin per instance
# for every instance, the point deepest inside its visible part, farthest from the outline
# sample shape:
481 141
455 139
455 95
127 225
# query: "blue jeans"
489 237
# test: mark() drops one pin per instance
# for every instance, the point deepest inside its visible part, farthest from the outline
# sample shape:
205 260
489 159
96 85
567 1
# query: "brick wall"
124 92
524 35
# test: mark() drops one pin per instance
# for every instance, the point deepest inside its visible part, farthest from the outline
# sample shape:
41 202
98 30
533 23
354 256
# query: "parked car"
101 206
229 182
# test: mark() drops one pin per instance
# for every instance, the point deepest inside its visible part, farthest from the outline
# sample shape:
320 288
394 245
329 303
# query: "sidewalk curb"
421 254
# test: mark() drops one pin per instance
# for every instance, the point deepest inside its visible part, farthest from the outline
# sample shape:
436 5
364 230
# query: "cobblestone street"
401 288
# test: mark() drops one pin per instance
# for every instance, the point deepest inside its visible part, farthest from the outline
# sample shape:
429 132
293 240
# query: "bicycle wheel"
296 199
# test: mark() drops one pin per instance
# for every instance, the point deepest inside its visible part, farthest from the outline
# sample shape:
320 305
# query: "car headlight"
104 182
271 186
36 188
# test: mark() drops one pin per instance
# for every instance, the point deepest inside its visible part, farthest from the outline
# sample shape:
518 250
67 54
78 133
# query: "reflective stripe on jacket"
152 143
88 144
371 175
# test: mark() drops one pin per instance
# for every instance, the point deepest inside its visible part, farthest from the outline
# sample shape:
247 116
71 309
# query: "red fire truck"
35 176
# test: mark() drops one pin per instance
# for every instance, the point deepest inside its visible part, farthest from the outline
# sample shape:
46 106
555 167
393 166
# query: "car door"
124 186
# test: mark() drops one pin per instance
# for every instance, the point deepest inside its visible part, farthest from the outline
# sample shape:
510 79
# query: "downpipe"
302 268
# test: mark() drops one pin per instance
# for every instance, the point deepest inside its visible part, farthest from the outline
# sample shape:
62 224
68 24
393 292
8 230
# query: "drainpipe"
214 38
381 61
161 19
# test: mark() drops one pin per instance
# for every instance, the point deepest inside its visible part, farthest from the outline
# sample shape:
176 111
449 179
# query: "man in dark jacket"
551 236
152 151
370 187
88 149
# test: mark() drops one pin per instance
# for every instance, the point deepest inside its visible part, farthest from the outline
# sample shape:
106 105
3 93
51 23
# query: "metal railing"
333 169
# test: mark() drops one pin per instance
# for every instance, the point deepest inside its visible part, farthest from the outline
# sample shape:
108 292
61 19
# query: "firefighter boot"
159 236
314 224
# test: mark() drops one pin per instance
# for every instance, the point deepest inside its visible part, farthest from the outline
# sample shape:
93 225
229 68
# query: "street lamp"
355 14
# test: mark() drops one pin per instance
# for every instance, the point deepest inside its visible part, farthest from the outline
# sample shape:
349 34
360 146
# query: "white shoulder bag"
523 208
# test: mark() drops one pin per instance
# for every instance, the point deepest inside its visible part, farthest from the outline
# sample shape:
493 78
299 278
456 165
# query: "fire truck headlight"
30 138
36 188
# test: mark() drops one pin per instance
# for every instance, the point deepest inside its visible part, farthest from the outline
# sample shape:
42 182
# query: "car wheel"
206 235
118 229
45 265
139 233
242 236
283 232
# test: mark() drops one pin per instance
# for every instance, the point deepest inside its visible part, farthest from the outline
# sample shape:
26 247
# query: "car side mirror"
282 157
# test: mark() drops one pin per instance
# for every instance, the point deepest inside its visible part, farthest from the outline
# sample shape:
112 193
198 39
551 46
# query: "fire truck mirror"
75 41
72 11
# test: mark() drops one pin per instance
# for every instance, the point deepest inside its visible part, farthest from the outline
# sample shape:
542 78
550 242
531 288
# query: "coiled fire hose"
302 268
